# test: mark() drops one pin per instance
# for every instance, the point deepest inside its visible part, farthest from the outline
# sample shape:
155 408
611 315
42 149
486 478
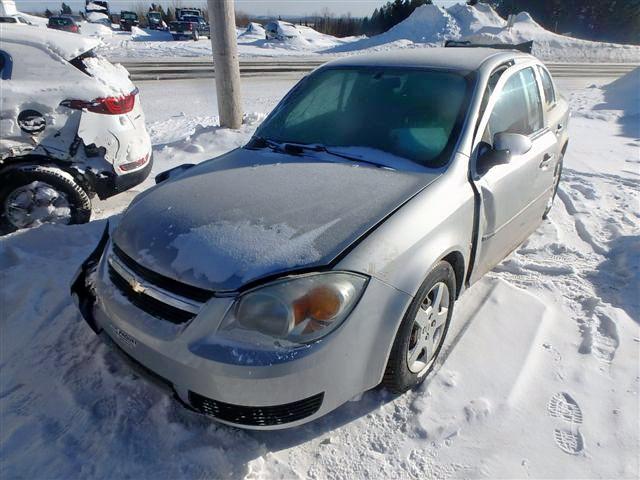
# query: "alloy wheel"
36 203
427 333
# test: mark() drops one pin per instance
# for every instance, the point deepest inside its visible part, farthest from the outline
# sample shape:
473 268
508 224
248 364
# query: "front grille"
149 304
257 416
166 283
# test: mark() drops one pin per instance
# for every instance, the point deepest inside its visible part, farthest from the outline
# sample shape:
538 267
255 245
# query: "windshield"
410 113
129 16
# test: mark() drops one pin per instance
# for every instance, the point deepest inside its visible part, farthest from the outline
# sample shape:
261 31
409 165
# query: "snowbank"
253 30
624 94
147 35
430 25
550 46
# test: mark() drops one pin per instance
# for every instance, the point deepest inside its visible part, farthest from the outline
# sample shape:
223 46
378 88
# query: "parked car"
274 283
17 19
64 23
97 6
189 28
72 128
99 18
128 20
155 22
280 30
188 12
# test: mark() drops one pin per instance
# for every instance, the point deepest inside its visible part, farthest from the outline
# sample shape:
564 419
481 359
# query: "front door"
513 195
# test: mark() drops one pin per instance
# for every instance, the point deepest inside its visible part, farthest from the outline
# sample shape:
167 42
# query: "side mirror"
511 143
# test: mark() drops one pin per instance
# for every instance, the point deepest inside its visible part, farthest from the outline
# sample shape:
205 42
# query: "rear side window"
78 62
547 86
518 108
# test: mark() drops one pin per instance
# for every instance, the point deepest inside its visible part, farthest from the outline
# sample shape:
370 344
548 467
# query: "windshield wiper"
293 148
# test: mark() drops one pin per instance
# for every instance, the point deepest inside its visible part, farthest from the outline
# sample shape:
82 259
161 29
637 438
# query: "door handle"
546 160
559 128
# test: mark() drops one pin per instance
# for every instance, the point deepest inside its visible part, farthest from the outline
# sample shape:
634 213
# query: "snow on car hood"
251 214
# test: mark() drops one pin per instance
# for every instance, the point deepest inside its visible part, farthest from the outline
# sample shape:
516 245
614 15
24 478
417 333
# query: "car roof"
66 45
451 58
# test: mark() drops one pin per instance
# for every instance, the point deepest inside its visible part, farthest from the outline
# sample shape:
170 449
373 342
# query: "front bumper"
236 384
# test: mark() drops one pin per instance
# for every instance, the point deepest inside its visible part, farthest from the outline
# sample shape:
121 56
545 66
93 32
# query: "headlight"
300 309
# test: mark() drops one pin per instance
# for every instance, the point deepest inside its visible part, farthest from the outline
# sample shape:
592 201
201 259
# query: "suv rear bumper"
107 183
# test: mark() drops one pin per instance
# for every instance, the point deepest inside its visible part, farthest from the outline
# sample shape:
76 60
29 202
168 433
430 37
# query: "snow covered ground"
428 26
542 368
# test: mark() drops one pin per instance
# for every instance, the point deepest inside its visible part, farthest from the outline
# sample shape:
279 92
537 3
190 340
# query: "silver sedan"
272 284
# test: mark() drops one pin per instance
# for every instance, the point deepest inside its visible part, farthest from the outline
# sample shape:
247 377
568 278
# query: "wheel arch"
456 260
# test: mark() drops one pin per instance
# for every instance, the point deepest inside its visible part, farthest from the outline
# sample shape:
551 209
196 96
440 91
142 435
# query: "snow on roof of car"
66 45
458 58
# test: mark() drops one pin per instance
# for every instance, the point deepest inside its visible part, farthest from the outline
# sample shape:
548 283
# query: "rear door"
513 195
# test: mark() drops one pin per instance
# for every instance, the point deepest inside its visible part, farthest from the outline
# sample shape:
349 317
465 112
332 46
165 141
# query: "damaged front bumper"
239 384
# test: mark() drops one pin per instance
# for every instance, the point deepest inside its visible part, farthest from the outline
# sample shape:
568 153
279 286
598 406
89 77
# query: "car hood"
251 214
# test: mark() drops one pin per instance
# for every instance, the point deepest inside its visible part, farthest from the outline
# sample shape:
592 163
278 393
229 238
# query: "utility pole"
225 59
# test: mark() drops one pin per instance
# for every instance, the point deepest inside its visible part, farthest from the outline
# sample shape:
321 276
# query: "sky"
357 8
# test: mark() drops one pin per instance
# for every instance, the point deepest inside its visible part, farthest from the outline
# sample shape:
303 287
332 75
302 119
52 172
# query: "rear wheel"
33 196
422 332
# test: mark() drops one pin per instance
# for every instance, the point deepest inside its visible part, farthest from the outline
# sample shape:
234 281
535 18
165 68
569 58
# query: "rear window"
129 16
8 20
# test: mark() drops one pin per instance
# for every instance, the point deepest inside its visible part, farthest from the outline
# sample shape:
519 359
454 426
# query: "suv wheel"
30 197
422 332
196 35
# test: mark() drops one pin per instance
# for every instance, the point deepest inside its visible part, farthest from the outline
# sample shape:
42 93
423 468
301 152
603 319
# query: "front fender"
436 222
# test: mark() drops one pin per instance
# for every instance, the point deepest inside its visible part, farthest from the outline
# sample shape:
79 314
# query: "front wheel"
196 35
36 195
422 332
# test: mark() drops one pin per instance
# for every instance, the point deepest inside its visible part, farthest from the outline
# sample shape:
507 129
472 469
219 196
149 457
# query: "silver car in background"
272 284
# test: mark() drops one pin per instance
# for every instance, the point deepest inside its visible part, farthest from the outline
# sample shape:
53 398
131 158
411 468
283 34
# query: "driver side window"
518 108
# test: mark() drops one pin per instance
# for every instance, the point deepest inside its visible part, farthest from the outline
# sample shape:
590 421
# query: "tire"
196 36
399 376
556 183
12 181
176 37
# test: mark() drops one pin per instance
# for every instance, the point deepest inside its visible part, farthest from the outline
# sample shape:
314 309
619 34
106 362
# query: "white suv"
72 128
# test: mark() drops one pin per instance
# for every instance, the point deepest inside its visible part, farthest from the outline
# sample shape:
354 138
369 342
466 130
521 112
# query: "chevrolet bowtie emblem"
136 286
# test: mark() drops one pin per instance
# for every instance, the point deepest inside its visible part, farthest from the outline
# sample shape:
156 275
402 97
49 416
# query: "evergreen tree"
66 9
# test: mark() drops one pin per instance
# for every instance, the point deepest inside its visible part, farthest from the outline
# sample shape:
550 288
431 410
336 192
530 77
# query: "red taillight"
74 28
108 105
190 26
